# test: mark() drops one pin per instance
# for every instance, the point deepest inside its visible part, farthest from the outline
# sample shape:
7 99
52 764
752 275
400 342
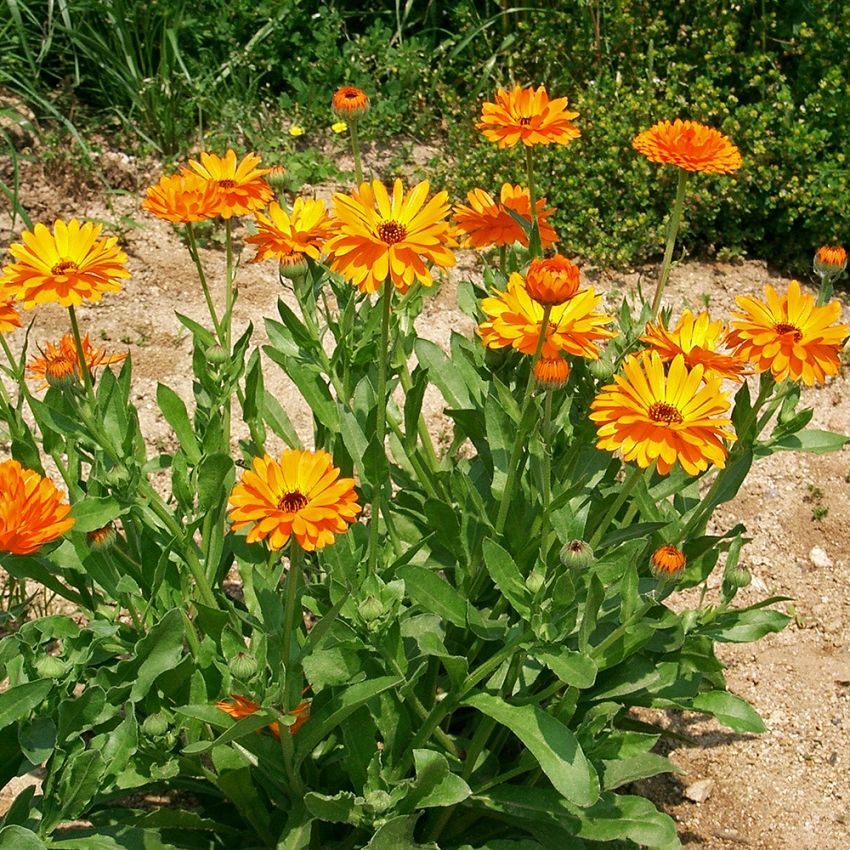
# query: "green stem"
355 150
547 474
513 463
672 232
503 260
622 629
290 625
84 367
632 479
196 259
534 248
381 420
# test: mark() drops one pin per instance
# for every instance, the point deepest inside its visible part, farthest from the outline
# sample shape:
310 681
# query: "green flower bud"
117 477
156 725
243 666
217 356
737 577
101 539
577 555
371 608
602 369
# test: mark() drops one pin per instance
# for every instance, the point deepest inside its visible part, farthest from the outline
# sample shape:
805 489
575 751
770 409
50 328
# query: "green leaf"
215 479
507 577
813 441
158 651
434 594
333 666
38 739
174 410
278 420
238 730
730 710
571 667
397 834
341 808
553 745
94 512
311 385
443 374
18 838
78 783
18 702
435 785
619 772
746 625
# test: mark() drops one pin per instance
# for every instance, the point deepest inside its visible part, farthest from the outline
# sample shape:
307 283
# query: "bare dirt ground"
787 789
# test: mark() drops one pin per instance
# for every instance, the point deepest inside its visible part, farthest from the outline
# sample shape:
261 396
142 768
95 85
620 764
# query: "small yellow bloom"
296 130
339 126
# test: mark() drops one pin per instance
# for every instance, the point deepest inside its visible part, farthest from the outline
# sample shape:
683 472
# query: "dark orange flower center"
64 266
227 183
660 411
783 328
351 94
524 121
391 232
292 502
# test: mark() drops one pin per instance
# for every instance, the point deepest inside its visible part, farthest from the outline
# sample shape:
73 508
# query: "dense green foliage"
771 75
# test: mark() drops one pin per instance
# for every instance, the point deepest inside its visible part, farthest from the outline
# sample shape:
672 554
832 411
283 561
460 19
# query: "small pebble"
699 791
819 558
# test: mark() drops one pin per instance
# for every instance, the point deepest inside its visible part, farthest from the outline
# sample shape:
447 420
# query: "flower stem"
534 248
290 623
355 150
547 474
513 463
84 367
672 231
196 259
381 420
632 479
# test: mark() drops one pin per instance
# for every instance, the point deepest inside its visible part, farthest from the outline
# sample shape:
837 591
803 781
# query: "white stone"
819 558
699 791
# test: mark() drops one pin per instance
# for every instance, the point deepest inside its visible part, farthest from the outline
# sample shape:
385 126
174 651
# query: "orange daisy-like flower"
789 336
301 495
69 265
553 281
182 198
688 145
9 317
489 222
350 102
241 186
281 235
830 260
514 320
59 366
667 562
242 707
32 512
650 416
527 115
697 339
551 373
379 236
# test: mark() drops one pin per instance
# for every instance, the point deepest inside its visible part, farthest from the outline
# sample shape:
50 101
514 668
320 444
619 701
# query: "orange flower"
789 336
32 512
242 707
69 265
688 145
651 416
553 281
667 563
280 234
551 373
350 102
527 115
487 222
514 319
300 495
697 339
379 236
830 260
241 186
182 198
9 318
59 366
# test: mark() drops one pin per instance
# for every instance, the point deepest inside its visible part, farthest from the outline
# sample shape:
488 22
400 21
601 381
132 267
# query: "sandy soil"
788 788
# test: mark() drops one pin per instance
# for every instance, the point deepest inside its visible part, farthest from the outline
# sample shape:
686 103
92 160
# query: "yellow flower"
381 236
296 130
697 339
241 185
182 198
789 336
653 417
527 115
301 495
514 320
9 317
280 234
69 265
59 366
339 126
32 512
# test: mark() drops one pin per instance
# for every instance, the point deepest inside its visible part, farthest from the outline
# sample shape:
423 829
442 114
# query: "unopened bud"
371 608
602 369
830 261
243 666
276 178
577 555
216 355
117 477
737 577
156 725
551 372
101 539
667 563
294 266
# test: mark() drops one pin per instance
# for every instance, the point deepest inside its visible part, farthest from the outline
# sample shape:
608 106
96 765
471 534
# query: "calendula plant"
378 641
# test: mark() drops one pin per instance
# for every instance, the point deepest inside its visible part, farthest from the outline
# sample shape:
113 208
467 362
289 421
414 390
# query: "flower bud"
294 266
50 667
602 369
737 577
216 355
830 261
101 539
371 608
667 563
61 372
350 103
156 725
552 282
551 373
117 477
577 555
276 178
243 666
